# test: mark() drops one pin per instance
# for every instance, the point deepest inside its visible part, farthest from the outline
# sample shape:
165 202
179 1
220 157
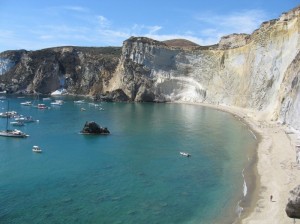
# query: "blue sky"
32 25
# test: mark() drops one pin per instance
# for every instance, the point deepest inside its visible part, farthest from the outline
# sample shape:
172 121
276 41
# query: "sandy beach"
277 170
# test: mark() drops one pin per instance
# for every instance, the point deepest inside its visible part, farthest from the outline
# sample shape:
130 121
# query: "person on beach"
271 198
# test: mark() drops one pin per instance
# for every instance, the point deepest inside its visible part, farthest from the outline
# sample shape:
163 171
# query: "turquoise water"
134 175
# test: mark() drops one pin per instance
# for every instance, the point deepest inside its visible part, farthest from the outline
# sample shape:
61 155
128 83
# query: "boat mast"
7 115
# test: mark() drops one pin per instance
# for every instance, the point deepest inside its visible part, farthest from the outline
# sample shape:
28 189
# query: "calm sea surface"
135 175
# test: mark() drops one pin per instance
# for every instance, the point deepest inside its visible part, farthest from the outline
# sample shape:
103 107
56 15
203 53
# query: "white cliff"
258 71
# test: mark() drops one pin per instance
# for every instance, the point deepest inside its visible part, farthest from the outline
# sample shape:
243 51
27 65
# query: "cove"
134 175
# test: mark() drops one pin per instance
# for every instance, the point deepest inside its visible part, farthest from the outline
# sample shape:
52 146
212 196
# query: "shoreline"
275 170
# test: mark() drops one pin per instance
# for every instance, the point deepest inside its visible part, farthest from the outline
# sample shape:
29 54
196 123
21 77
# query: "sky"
38 24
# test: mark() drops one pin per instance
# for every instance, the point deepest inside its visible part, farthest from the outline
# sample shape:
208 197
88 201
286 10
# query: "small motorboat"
42 106
36 148
17 123
78 101
57 103
26 103
24 119
185 154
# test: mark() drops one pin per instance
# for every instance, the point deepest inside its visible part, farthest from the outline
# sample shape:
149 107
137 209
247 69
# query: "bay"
133 175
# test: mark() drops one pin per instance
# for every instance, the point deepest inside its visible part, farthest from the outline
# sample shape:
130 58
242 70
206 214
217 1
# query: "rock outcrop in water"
91 127
258 71
293 205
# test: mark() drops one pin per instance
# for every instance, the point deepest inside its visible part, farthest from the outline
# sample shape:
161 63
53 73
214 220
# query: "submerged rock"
293 206
91 127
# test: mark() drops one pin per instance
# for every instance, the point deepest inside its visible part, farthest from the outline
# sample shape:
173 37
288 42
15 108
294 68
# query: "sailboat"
12 133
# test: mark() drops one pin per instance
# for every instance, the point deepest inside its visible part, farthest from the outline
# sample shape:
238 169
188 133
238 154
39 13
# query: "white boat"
57 103
17 123
8 114
36 148
27 119
185 154
79 101
12 133
46 98
41 106
26 103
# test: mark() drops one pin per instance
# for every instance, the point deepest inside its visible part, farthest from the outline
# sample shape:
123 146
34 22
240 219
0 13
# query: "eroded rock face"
92 127
293 206
80 70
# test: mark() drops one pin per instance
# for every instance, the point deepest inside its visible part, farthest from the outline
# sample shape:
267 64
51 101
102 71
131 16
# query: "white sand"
278 172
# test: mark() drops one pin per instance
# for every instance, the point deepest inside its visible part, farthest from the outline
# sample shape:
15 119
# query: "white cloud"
103 22
76 8
154 29
139 29
237 22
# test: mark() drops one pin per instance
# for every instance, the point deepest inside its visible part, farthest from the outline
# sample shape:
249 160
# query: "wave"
239 208
253 134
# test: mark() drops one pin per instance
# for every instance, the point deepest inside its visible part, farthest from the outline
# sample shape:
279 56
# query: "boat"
41 106
17 123
57 103
185 154
28 119
36 148
8 114
79 101
12 133
26 103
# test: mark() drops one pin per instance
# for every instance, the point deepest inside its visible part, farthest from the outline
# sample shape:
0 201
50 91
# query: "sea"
135 174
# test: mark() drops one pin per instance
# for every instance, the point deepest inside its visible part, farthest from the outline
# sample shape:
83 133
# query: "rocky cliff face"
258 71
80 70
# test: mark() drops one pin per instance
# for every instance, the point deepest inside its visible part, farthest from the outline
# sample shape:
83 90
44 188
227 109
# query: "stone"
91 127
293 206
117 95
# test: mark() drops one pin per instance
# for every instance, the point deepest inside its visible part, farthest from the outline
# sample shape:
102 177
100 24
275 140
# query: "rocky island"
92 128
